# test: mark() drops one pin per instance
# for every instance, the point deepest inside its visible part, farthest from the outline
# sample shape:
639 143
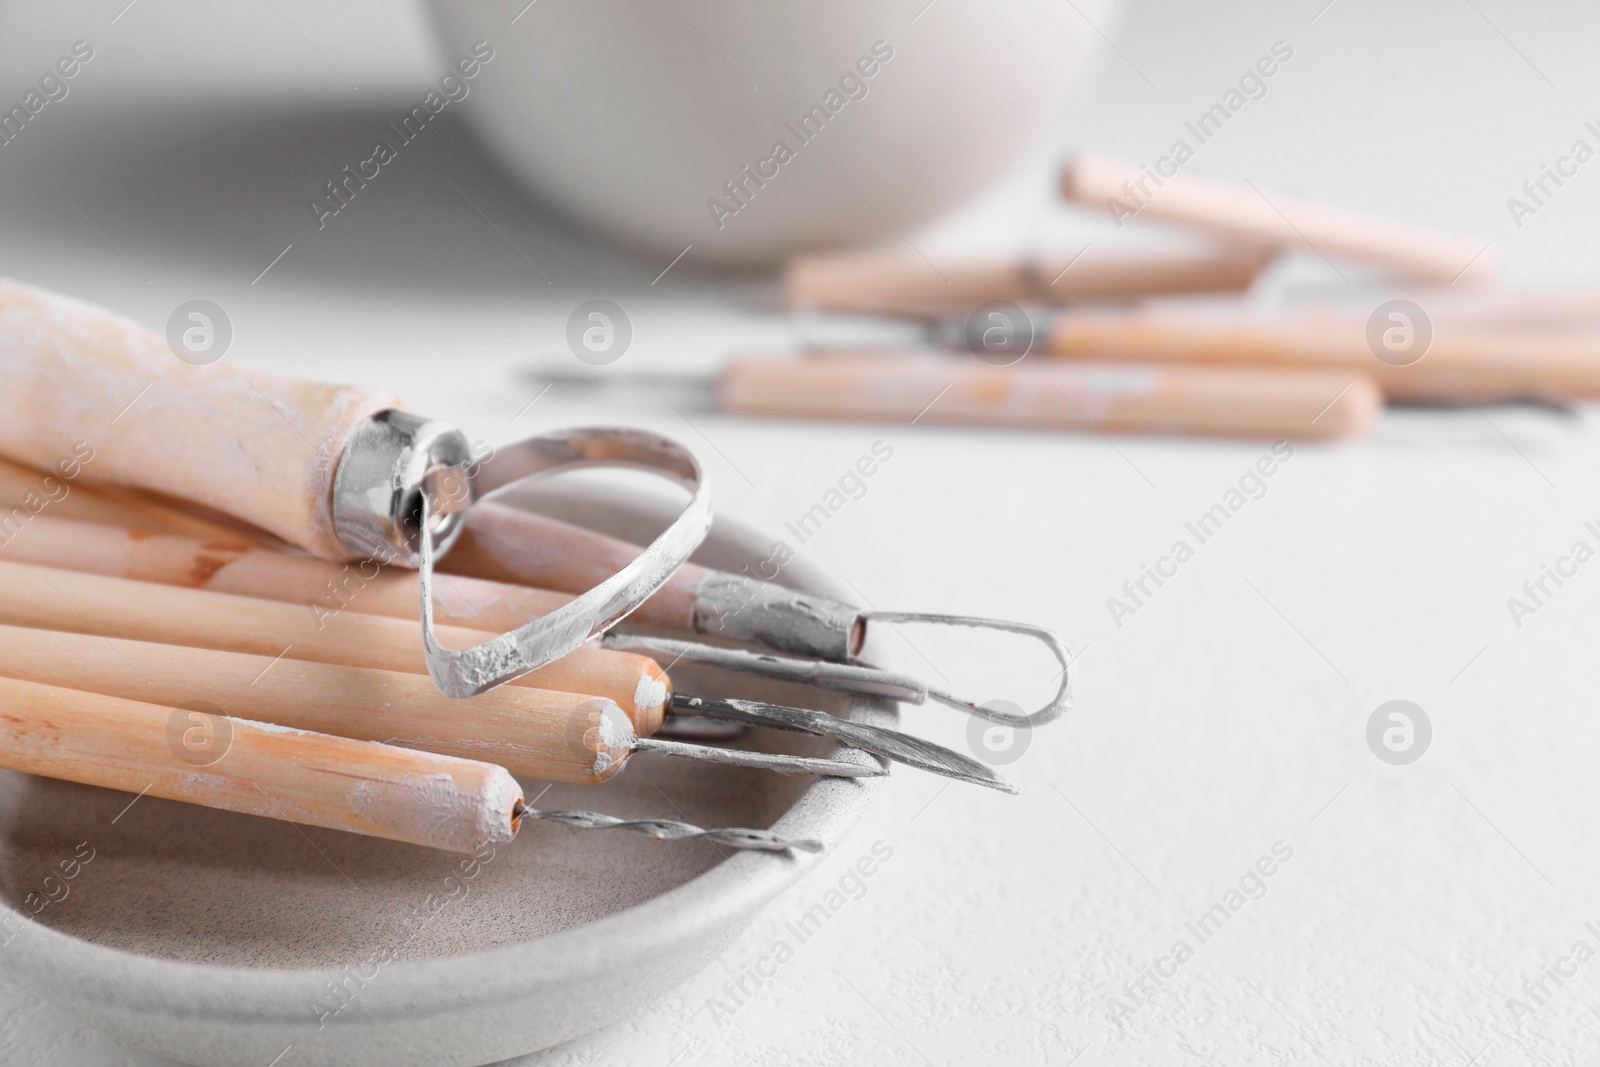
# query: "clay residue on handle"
255 446
525 730
1244 215
896 283
741 608
210 559
43 598
460 808
311 778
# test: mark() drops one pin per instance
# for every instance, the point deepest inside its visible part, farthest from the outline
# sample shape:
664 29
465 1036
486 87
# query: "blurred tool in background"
1183 342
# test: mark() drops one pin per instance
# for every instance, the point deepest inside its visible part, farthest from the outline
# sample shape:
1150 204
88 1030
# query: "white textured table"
1222 722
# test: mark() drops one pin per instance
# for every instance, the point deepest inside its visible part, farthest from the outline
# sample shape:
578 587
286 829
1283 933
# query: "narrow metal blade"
889 744
767 761
841 677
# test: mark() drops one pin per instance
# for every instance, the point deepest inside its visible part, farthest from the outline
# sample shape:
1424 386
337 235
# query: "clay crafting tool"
893 284
1246 216
65 492
1411 360
401 794
346 475
396 793
1223 401
324 588
327 589
52 599
341 472
738 607
533 733
894 386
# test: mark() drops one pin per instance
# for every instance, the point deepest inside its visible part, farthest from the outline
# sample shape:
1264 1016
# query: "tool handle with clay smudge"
49 599
534 733
367 788
1449 359
895 283
1246 216
113 402
1247 402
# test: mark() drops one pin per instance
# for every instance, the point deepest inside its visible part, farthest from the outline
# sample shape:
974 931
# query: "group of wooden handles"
1108 358
145 649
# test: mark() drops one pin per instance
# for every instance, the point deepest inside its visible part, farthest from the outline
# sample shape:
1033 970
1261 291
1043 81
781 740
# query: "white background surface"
1226 715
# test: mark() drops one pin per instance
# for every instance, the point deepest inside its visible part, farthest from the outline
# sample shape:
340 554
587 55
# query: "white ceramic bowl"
221 939
632 115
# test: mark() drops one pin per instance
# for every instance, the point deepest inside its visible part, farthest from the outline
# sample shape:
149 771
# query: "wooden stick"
1245 216
48 599
1218 401
901 284
1458 364
1451 308
310 778
489 587
322 586
1504 310
25 492
535 733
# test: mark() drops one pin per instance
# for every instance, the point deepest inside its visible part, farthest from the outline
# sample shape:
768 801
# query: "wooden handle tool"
1272 403
531 729
563 737
1246 216
896 284
50 599
257 446
268 770
1449 364
76 602
343 473
218 761
323 587
68 490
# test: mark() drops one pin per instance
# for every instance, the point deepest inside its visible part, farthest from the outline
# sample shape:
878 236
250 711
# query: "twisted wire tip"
673 830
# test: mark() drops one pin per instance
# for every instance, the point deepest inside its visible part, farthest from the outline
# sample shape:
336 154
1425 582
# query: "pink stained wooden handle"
1245 215
892 282
197 756
84 393
1252 402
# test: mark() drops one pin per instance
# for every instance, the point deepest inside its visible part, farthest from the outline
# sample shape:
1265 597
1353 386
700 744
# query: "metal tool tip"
769 761
991 780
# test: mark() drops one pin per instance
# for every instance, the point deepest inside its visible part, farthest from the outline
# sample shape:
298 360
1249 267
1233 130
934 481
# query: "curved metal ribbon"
470 671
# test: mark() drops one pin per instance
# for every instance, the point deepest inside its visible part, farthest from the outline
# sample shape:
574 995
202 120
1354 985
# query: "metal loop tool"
468 672
1051 711
857 678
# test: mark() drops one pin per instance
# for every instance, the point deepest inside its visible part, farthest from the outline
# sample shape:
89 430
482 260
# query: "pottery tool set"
170 535
1170 341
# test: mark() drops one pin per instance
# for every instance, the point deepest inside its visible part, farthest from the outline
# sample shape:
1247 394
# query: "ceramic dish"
752 131
223 939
